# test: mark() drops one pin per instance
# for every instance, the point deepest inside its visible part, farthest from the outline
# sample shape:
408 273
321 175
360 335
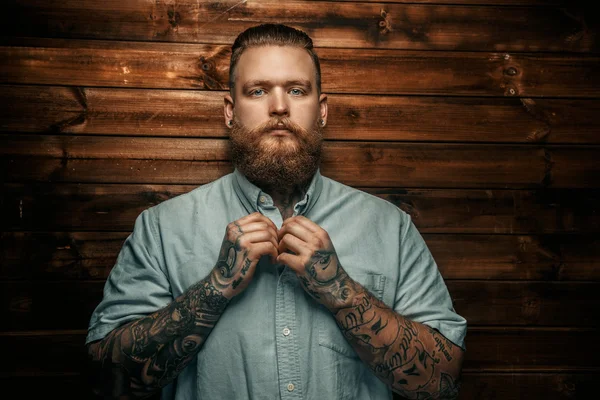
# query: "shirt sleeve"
422 295
137 285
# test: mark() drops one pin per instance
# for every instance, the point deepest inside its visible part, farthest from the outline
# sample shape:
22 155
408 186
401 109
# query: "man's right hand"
246 241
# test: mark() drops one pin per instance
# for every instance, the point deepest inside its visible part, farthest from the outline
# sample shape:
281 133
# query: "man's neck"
285 198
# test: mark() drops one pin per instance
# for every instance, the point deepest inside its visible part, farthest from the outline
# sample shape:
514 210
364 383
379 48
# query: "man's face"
278 116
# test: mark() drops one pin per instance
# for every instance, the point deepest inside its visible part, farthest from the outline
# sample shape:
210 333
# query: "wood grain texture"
518 386
201 66
33 305
477 118
489 350
91 256
59 255
177 113
330 24
475 2
53 206
185 161
506 386
74 386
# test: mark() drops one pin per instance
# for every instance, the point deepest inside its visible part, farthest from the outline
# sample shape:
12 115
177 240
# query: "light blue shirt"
274 341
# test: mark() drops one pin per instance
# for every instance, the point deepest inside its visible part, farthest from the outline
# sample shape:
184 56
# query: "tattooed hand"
246 241
307 249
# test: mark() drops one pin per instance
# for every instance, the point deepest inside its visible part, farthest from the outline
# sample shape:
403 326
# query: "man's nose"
278 106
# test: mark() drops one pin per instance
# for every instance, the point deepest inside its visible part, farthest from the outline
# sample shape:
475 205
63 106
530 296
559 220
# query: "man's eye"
257 92
296 92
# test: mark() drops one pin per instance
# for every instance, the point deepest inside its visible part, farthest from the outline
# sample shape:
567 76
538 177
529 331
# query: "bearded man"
316 291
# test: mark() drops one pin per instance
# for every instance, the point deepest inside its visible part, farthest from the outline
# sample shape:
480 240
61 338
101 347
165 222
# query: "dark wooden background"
479 118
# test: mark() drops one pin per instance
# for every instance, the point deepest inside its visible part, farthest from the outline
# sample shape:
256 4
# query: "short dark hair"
271 35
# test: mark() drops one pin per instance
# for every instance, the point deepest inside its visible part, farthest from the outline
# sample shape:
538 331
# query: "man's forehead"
275 63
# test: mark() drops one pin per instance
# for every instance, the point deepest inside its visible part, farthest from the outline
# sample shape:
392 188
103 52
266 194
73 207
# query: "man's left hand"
307 249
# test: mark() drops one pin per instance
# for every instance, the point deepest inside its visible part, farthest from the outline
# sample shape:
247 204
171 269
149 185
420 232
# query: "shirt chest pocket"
349 376
330 335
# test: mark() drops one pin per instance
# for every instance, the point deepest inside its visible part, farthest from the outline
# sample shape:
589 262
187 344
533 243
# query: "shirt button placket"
288 362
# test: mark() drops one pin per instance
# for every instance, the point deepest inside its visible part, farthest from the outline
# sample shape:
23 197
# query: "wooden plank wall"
479 118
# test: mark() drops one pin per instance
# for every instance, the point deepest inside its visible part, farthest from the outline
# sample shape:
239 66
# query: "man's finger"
307 223
255 217
292 243
297 230
291 261
258 237
258 226
264 249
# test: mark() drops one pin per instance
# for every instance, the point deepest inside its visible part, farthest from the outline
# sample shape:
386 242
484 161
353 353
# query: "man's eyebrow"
300 82
267 83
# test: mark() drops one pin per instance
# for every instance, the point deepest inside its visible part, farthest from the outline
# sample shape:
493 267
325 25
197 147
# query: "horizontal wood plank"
558 257
91 255
59 255
177 113
474 385
54 206
200 66
518 386
32 305
529 349
184 161
75 386
330 24
488 350
474 2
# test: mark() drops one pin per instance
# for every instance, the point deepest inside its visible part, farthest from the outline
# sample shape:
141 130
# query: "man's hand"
307 249
246 241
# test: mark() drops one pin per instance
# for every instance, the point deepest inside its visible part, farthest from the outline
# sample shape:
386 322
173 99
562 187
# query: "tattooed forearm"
412 358
149 353
141 357
415 360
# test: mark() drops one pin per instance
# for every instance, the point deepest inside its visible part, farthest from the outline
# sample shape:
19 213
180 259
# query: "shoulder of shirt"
369 200
199 194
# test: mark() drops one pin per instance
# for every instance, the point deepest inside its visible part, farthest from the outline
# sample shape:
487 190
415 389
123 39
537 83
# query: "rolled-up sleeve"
422 295
137 285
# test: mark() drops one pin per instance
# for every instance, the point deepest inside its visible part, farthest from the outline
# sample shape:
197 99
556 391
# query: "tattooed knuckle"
231 230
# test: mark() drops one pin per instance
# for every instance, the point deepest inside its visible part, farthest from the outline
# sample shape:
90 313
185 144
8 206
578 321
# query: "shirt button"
286 332
262 199
290 387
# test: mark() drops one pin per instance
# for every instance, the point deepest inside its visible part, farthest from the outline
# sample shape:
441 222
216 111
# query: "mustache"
281 123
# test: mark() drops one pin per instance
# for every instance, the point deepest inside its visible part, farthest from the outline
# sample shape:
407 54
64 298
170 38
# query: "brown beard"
276 162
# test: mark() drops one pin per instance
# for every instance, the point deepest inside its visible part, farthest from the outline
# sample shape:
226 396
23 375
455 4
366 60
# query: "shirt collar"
250 194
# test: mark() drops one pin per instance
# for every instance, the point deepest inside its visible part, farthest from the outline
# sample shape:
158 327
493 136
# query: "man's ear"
228 110
323 108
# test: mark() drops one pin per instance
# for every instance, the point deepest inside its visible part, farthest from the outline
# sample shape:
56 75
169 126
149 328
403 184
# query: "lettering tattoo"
246 266
415 360
443 344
